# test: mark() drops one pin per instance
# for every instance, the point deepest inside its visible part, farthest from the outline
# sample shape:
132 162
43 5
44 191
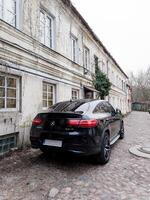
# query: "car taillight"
89 123
37 121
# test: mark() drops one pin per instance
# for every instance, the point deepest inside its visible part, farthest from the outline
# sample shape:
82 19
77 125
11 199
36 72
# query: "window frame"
10 141
74 48
47 15
17 98
76 91
96 62
86 58
1 9
4 10
53 94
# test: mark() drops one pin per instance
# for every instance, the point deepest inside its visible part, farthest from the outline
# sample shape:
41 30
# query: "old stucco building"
48 54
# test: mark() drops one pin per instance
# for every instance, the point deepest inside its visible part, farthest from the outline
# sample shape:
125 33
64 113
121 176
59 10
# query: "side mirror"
118 111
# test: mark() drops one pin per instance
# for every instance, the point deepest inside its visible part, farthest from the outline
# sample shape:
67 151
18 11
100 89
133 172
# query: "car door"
102 113
115 119
110 120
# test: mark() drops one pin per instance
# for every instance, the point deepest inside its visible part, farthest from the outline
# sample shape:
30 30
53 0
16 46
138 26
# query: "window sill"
45 108
9 110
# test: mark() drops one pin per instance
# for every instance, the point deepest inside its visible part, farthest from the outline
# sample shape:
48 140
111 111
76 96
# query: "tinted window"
110 108
70 106
103 107
100 108
106 107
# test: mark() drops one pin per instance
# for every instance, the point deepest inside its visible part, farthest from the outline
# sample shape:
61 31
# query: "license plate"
53 143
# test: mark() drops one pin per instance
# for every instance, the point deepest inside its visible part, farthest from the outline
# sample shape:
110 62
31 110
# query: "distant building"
48 54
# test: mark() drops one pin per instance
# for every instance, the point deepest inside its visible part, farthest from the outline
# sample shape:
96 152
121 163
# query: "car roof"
72 105
92 102
85 100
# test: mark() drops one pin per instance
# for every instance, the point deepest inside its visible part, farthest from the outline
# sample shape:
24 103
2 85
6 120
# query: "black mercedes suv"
83 127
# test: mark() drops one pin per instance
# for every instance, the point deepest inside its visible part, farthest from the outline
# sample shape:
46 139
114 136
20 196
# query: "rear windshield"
74 106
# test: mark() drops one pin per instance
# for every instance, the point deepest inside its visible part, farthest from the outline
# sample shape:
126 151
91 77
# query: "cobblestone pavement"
29 175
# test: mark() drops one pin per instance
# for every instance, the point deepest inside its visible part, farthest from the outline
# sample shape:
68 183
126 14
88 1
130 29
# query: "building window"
73 48
1 9
95 62
46 29
75 94
8 11
48 95
9 92
86 57
7 143
122 85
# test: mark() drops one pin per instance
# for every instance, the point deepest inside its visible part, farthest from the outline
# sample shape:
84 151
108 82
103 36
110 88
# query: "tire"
121 132
104 155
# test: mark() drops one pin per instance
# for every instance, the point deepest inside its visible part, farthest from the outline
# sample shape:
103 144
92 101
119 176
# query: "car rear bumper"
78 146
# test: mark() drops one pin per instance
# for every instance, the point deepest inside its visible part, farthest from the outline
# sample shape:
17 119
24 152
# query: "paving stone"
53 192
66 190
28 174
79 183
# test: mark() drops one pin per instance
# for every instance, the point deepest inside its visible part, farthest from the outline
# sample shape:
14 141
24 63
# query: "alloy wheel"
107 148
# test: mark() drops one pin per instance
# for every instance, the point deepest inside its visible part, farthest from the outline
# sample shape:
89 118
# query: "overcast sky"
124 28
